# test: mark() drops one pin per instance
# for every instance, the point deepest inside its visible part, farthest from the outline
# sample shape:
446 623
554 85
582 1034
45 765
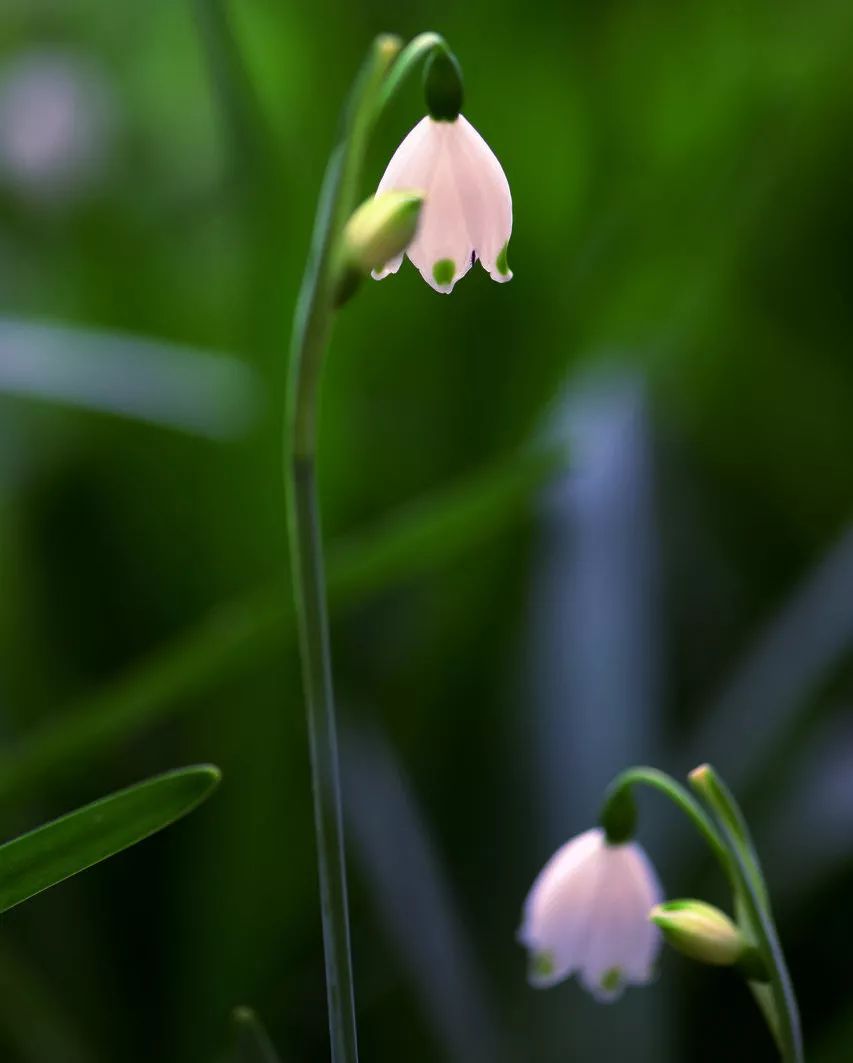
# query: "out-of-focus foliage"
682 312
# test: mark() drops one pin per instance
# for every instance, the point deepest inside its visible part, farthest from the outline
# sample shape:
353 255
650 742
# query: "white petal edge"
390 267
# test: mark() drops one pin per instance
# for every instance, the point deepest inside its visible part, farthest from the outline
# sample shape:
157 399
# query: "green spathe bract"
56 851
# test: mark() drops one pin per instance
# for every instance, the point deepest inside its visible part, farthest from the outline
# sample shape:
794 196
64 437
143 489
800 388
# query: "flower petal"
648 892
389 267
623 943
411 163
556 909
443 248
488 199
410 167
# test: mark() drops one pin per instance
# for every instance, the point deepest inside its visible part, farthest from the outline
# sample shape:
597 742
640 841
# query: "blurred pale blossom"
56 124
588 914
467 213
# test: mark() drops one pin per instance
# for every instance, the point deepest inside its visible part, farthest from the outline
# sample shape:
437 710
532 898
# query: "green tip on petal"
541 965
611 980
444 271
502 262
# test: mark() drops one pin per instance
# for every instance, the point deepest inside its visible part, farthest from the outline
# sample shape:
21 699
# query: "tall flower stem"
312 327
733 849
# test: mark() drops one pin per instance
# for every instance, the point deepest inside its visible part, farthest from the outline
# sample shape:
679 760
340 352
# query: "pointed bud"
379 230
700 931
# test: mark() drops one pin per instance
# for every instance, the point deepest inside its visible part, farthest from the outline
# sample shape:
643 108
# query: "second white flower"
588 913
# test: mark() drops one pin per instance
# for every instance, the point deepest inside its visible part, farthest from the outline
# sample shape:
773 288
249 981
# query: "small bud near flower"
700 931
381 228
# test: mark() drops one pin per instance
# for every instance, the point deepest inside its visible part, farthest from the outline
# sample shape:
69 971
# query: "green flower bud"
700 931
379 230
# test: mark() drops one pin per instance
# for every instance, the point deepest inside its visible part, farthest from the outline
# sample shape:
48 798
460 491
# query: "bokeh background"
598 516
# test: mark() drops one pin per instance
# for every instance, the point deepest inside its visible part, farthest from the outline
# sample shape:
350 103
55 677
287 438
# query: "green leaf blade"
57 850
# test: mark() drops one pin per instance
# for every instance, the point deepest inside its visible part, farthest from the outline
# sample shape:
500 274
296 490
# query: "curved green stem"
619 791
416 50
314 308
751 891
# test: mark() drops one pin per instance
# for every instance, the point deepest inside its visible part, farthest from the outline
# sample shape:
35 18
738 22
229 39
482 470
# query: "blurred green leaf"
252 146
170 385
56 851
427 533
251 1041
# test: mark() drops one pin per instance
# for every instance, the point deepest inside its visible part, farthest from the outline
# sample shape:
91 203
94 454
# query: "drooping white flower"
467 211
588 913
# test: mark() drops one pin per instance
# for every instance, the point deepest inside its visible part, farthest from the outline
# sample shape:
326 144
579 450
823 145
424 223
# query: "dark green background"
681 175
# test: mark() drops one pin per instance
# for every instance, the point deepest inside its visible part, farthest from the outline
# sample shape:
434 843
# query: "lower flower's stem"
733 849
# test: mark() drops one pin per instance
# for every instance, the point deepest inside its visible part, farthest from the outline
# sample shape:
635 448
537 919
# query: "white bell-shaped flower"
467 213
588 913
